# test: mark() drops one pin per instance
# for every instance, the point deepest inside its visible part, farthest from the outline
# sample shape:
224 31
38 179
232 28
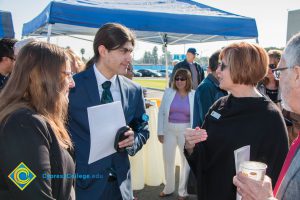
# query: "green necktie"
106 94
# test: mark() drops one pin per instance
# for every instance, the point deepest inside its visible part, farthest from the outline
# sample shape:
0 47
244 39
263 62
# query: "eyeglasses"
180 79
69 74
12 58
222 65
278 71
272 66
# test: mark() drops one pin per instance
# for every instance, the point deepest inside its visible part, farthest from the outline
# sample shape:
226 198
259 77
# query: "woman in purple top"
175 115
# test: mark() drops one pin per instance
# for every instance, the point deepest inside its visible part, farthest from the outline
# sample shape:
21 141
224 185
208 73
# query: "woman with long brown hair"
35 146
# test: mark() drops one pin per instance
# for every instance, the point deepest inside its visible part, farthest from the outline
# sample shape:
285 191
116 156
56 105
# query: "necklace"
182 96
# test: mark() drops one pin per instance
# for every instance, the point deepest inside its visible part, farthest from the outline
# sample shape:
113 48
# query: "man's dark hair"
112 36
214 61
7 48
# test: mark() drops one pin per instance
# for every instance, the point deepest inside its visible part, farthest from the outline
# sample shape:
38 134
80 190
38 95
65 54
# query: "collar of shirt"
213 79
3 76
101 78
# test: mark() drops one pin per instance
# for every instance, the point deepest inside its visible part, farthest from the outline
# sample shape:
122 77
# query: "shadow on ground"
152 192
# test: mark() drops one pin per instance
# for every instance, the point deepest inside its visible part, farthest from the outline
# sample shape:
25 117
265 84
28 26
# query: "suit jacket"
26 137
164 109
290 186
185 65
84 95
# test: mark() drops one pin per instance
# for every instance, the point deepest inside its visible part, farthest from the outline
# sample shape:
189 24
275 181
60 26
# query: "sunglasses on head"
272 66
180 79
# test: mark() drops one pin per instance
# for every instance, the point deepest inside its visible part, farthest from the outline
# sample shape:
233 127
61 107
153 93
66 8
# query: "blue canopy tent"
183 21
6 25
156 21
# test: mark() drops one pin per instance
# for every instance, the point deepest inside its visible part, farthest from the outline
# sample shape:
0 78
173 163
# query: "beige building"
293 26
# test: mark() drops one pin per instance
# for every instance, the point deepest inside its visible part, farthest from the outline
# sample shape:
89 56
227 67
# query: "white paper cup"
254 170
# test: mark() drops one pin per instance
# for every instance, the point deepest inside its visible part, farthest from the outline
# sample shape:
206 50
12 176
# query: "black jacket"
206 94
26 137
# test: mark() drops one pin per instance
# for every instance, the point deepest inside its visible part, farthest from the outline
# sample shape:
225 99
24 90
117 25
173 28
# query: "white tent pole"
167 74
49 32
166 58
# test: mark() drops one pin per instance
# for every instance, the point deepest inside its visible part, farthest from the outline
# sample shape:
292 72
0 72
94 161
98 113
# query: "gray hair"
20 44
291 52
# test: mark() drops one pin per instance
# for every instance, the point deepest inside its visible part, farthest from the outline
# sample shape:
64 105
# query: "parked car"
136 73
163 72
204 67
149 73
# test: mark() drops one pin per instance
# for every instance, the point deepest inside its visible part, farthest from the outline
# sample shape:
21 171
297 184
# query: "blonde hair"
37 83
248 63
274 53
75 59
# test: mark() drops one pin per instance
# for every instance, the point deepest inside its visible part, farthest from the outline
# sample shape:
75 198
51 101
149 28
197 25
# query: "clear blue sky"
271 19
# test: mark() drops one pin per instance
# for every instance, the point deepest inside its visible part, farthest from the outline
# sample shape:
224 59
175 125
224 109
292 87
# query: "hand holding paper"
104 122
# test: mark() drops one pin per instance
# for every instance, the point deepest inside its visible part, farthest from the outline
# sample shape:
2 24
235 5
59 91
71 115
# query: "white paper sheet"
240 155
104 122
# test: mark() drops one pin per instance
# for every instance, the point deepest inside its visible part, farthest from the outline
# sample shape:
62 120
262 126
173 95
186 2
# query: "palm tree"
82 51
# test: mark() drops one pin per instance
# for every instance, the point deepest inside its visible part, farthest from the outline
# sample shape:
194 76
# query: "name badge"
215 115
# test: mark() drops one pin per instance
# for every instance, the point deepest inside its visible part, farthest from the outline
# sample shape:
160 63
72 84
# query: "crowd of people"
249 97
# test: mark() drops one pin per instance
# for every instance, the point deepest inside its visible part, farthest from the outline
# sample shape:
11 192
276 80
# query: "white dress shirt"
114 88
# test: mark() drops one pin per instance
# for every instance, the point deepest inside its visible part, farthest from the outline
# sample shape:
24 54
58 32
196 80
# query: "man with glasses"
7 59
288 184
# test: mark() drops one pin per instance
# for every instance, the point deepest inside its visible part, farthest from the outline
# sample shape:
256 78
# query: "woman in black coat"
244 117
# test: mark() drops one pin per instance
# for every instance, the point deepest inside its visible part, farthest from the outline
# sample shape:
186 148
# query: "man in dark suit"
189 64
101 83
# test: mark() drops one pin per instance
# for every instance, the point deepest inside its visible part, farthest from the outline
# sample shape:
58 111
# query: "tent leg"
49 32
166 59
